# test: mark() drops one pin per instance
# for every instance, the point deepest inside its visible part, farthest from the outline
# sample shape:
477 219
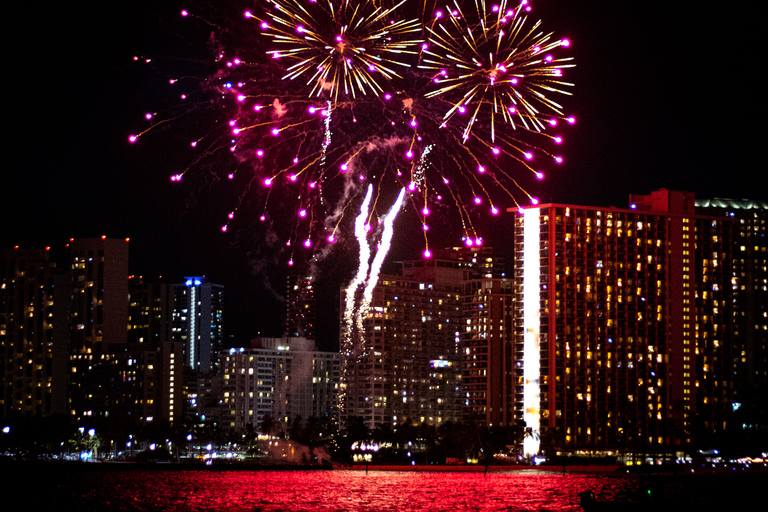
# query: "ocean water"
88 488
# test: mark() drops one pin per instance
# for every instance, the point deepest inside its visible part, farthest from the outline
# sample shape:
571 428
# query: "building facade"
622 334
749 258
150 314
198 322
281 378
406 363
300 304
488 372
33 349
101 380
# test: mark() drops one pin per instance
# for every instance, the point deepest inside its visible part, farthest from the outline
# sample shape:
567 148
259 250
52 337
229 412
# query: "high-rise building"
150 314
161 376
33 349
481 261
278 377
99 295
198 322
405 365
488 352
102 377
159 360
300 304
749 255
623 328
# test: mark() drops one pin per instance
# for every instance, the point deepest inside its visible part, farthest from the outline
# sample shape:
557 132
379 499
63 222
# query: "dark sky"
665 96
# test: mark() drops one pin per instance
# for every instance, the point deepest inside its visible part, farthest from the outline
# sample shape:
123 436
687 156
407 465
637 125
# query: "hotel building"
487 349
623 328
102 377
488 352
749 258
300 304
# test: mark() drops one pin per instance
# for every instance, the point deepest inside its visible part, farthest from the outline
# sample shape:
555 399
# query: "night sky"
666 96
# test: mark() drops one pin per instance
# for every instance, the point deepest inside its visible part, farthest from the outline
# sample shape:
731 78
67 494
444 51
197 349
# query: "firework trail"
360 290
385 242
361 232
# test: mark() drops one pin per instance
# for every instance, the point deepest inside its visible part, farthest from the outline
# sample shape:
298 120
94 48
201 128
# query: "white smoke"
279 109
379 143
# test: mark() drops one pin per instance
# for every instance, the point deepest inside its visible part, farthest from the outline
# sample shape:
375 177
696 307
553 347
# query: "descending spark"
357 302
418 175
368 272
327 137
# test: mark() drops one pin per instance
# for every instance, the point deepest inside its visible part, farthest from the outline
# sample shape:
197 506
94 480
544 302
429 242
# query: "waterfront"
96 487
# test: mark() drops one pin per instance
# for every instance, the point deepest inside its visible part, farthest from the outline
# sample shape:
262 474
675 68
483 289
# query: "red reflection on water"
341 490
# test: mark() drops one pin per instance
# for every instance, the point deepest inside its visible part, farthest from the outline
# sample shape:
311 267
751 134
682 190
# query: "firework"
451 118
496 75
345 48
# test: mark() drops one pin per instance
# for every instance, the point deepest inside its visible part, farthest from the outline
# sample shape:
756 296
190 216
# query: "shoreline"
639 471
472 468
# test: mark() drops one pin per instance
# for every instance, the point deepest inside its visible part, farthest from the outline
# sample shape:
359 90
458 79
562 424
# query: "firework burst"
496 75
346 48
450 117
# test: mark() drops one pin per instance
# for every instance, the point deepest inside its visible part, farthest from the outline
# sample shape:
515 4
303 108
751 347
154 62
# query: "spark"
345 48
450 107
490 67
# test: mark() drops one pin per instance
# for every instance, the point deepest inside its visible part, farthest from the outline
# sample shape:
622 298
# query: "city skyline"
649 104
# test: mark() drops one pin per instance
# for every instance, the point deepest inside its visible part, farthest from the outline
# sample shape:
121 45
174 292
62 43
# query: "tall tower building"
150 314
405 366
158 359
99 295
198 322
161 382
33 350
749 257
480 260
623 335
102 378
488 373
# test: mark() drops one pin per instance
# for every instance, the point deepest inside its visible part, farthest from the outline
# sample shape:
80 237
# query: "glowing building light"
531 355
